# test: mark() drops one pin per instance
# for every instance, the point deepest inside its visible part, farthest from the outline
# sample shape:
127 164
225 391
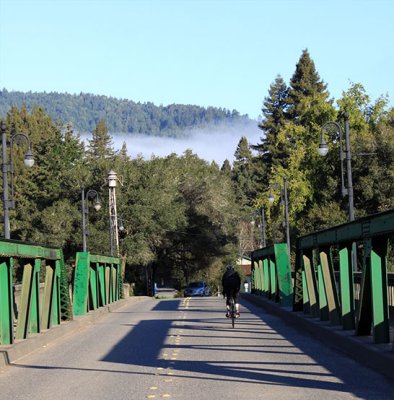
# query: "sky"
221 53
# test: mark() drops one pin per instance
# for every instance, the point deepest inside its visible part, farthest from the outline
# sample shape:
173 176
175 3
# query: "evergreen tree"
274 119
226 167
243 173
305 83
100 146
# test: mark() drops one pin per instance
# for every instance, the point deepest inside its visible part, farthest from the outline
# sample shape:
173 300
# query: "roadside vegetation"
185 218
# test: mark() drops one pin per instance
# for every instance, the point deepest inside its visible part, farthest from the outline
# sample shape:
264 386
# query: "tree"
372 145
304 83
226 167
100 146
243 173
274 119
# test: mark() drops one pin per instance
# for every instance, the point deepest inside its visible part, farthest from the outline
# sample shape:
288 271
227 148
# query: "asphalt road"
186 349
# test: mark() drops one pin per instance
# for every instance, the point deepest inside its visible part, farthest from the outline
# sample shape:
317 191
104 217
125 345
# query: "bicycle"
232 311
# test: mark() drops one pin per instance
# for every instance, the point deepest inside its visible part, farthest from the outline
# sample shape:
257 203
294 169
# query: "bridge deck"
186 349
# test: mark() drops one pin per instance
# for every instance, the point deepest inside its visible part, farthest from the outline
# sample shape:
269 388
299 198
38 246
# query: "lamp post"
344 155
263 230
284 201
8 167
261 226
85 212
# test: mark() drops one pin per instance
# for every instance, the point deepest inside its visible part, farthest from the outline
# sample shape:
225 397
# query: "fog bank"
215 143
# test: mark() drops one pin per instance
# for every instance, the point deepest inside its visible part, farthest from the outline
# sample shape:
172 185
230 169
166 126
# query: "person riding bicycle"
231 283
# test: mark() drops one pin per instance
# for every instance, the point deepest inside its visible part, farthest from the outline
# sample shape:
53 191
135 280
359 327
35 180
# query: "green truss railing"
34 313
319 254
320 257
271 274
97 282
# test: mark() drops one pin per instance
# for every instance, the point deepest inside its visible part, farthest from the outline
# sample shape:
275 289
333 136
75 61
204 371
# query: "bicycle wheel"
232 312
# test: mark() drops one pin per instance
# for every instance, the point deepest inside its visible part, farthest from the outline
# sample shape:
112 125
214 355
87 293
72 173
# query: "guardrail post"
329 285
347 286
51 303
101 280
28 315
93 292
81 283
310 279
6 304
306 304
323 305
260 277
266 283
378 260
373 310
284 274
273 279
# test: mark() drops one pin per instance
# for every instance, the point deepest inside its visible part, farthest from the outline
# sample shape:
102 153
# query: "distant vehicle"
198 288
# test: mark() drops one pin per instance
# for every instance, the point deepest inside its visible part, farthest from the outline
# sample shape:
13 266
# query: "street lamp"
85 212
9 168
122 224
344 155
283 201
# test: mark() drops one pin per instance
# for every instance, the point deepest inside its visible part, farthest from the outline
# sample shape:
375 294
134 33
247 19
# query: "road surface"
186 349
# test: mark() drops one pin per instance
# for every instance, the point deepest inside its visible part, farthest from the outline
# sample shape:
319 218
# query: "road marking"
166 395
153 388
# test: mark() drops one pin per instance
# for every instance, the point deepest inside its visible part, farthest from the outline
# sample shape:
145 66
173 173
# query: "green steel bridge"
323 293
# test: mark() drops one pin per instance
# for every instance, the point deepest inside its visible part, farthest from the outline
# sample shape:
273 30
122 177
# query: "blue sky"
209 53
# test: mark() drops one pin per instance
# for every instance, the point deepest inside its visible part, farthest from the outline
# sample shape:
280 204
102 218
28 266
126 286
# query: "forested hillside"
85 110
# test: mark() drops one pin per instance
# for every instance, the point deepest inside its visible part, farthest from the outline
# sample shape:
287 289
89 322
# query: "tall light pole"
263 230
344 155
113 215
85 212
259 213
9 168
285 202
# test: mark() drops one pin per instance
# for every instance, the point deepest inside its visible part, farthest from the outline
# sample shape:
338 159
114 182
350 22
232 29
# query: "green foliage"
292 121
185 218
179 212
274 112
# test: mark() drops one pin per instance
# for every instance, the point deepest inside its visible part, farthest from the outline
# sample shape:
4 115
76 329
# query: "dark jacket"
231 280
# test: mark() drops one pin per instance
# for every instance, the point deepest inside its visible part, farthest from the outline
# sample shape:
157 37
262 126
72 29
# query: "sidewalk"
379 357
19 349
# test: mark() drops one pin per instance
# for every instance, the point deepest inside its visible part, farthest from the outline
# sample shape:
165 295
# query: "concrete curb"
379 357
21 348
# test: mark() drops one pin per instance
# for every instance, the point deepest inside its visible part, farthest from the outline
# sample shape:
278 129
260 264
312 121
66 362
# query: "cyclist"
231 283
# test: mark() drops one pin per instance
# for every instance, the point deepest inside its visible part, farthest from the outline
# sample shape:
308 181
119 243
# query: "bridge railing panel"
34 312
97 282
271 273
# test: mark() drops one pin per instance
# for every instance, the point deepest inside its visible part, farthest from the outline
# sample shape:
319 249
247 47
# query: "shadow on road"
261 350
145 343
